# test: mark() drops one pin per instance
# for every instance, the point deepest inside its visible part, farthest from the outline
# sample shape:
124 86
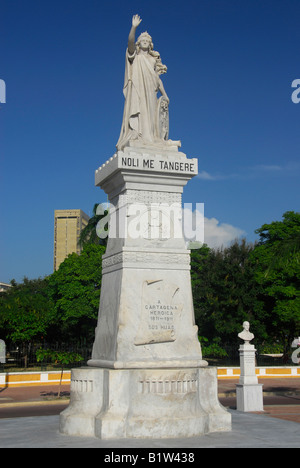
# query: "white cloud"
267 168
251 172
206 176
218 234
208 230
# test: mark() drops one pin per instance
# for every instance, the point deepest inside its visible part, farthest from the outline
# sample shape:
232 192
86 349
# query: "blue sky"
230 64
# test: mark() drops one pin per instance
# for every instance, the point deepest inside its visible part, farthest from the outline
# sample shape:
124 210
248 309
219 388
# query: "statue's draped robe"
140 90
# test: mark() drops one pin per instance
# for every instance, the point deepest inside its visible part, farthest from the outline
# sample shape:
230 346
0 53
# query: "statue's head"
144 41
246 326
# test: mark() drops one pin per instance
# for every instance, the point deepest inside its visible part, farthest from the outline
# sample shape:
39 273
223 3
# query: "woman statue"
145 117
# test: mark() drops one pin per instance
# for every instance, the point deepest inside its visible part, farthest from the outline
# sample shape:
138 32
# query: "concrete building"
68 225
4 287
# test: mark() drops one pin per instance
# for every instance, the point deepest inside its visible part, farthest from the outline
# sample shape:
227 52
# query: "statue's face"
144 43
246 326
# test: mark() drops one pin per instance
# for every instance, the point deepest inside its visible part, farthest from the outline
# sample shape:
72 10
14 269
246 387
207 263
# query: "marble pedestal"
249 397
249 393
144 403
146 376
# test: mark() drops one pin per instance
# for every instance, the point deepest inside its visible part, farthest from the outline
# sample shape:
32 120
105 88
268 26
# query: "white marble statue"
246 335
145 118
249 393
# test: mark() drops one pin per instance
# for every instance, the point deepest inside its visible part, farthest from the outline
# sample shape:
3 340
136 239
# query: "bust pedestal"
146 376
249 393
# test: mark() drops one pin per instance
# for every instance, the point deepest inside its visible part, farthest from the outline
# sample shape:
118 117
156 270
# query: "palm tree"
89 234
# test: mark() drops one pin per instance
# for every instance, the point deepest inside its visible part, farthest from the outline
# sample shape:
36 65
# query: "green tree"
62 358
26 312
277 271
285 238
224 291
75 291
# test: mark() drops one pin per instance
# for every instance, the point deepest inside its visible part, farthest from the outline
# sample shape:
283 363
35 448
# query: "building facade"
68 225
4 287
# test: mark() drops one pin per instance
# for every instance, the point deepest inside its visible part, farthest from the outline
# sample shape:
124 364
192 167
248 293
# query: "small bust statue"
246 335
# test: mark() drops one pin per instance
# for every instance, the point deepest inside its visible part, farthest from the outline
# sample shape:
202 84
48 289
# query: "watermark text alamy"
160 221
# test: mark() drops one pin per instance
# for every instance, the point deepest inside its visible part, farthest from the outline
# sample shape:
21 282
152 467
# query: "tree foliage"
26 310
61 308
26 313
224 290
257 283
75 290
277 271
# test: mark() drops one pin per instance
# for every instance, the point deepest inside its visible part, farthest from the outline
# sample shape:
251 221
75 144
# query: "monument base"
144 403
249 397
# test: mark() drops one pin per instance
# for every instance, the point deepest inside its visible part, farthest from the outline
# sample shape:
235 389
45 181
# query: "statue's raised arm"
145 118
136 21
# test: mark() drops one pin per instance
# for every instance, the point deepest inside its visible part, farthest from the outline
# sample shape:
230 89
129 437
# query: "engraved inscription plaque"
160 311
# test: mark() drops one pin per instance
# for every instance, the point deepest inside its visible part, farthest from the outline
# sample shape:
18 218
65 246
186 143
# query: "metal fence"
232 358
20 358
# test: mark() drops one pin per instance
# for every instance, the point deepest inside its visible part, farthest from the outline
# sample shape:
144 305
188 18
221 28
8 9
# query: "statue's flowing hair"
159 67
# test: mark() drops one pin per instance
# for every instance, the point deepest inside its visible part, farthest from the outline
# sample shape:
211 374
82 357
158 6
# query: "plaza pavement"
248 431
278 426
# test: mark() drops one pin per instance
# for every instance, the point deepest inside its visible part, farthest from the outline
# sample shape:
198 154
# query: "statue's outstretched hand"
136 20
